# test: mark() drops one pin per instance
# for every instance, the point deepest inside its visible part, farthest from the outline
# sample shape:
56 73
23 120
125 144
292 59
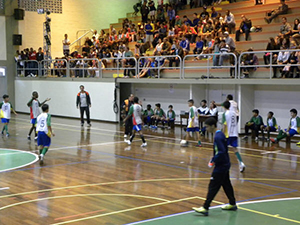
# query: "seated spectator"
285 29
178 21
294 127
282 59
166 47
296 31
160 16
185 44
195 20
162 31
158 47
224 50
229 41
245 27
282 9
293 60
249 59
203 109
190 33
271 125
214 13
171 116
186 20
147 115
159 115
254 124
204 13
216 49
230 22
272 45
208 29
178 52
199 46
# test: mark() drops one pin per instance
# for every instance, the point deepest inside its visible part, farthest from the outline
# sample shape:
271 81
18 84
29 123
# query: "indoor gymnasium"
163 112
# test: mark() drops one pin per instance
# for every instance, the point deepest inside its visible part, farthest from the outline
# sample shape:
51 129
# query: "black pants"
219 180
128 126
238 33
87 112
254 127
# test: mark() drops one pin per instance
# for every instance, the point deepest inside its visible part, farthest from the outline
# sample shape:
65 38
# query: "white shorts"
149 37
152 13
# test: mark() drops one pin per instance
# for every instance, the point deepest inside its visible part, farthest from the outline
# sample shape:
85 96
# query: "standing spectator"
214 13
204 13
195 20
152 8
149 32
285 29
84 103
245 27
160 16
171 16
40 58
224 50
66 45
229 41
144 12
296 31
282 9
230 21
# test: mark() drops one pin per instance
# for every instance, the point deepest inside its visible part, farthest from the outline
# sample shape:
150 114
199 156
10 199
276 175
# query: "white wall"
63 97
278 99
2 38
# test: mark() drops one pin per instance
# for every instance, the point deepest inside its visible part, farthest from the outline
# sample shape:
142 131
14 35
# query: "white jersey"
136 112
234 107
230 120
43 121
5 108
193 117
66 47
34 109
83 100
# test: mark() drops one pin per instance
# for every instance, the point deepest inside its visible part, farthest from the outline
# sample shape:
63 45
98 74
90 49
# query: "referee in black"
220 175
83 101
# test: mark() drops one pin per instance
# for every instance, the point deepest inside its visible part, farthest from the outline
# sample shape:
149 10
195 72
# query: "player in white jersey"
44 130
5 110
230 128
136 112
193 124
34 106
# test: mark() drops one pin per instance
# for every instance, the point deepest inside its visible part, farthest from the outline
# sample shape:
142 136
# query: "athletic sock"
6 128
30 131
199 142
143 139
281 135
131 138
238 156
44 151
41 150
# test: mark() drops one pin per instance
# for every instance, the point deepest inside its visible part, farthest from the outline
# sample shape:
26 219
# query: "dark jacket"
248 24
88 99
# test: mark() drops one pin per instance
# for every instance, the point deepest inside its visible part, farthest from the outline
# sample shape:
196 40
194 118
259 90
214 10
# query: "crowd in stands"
167 36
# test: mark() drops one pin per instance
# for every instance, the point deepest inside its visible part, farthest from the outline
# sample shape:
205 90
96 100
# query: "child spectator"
159 115
271 125
199 46
171 116
294 127
185 44
152 8
254 124
148 114
5 111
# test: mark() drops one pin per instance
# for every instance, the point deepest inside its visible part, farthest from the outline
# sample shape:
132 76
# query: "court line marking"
219 206
81 214
124 210
139 181
82 195
27 164
4 188
174 139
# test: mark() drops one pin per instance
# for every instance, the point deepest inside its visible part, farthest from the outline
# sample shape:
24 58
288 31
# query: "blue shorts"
4 120
192 129
272 129
292 132
232 141
33 121
43 139
137 127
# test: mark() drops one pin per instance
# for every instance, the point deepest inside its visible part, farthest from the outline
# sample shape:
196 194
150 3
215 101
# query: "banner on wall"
2 38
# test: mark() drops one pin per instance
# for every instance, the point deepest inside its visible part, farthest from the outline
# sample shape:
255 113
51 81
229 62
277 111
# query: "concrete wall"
63 97
77 14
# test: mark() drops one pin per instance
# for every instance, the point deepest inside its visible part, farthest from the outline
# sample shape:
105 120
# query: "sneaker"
144 144
2 133
41 159
273 140
7 135
89 125
298 143
169 128
82 124
128 142
125 135
28 137
35 139
201 210
256 138
242 167
245 138
230 207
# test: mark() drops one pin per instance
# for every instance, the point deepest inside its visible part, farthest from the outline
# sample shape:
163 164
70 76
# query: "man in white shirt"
230 22
66 45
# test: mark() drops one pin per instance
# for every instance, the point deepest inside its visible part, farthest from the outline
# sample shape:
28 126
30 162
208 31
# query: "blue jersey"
221 157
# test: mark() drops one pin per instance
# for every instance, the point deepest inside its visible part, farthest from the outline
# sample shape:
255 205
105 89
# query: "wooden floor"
91 176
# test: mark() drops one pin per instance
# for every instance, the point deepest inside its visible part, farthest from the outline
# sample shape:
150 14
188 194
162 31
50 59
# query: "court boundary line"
219 206
24 165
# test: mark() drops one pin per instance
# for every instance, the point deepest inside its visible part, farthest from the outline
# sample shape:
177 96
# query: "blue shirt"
171 14
148 27
221 157
185 44
195 22
199 44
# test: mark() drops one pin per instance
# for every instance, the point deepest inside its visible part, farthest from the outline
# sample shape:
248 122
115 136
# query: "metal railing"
208 66
54 67
121 64
84 67
159 67
78 39
270 65
28 68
